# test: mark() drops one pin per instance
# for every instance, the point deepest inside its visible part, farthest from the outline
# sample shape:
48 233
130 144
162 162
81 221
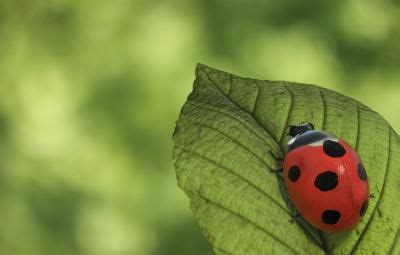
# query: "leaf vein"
272 235
324 116
257 97
240 177
228 94
195 104
358 126
396 237
288 115
219 89
234 140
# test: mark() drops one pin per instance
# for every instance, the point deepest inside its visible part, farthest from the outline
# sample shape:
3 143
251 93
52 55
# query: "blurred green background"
90 92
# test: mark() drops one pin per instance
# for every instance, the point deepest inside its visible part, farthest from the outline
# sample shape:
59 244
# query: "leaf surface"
232 131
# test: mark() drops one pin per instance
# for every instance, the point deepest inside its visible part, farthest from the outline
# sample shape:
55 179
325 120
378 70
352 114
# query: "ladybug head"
300 128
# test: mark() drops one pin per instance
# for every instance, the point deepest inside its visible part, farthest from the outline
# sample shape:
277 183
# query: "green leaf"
231 133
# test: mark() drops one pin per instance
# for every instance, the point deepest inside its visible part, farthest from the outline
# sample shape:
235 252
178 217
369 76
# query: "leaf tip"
201 68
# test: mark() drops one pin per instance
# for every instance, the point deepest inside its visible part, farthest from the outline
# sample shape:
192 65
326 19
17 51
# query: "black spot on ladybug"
330 217
333 149
294 173
364 208
326 181
361 172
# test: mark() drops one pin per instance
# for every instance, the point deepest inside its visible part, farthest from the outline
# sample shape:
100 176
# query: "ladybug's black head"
300 128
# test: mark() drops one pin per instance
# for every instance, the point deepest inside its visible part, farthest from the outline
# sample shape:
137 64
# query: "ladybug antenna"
300 128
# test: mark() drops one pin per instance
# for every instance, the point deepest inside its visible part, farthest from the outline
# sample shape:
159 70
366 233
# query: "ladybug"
325 178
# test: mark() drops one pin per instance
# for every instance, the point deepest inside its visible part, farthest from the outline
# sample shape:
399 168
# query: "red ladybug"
325 178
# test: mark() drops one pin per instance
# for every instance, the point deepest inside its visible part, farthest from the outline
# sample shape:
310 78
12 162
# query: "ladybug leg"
372 195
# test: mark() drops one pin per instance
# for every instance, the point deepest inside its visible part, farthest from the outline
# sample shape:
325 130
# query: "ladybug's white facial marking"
315 144
292 140
310 137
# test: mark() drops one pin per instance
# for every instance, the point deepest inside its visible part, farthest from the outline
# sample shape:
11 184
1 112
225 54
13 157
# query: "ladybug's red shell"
327 183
